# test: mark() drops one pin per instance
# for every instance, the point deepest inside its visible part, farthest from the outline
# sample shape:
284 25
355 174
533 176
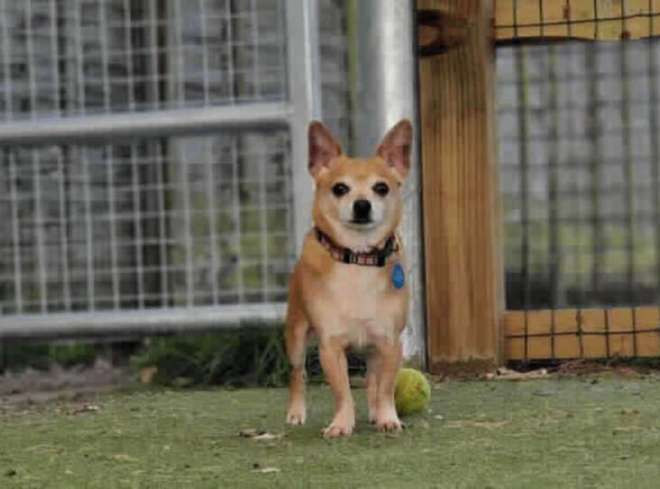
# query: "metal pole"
305 95
110 127
383 58
144 322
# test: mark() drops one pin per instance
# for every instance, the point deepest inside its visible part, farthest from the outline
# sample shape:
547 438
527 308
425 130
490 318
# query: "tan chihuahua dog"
348 288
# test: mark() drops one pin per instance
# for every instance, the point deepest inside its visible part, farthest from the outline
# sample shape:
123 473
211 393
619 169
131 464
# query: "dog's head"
358 201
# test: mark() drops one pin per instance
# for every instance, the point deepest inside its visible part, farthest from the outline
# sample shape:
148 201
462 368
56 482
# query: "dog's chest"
359 289
361 304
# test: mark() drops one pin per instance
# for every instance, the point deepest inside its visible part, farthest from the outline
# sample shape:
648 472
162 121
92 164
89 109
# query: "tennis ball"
412 391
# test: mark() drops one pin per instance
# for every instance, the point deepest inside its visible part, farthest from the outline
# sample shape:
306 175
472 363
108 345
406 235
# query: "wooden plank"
539 329
620 320
514 349
584 333
539 322
567 341
648 343
603 20
539 347
460 193
593 345
513 324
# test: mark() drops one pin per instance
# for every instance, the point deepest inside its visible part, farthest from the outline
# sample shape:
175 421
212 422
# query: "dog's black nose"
361 209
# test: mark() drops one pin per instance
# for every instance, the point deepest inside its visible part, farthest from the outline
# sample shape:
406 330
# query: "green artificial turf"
593 432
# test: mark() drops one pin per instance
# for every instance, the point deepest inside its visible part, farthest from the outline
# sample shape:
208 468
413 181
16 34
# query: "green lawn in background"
576 432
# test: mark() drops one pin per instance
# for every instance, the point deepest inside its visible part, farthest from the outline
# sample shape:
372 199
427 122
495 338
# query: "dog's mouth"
361 221
361 224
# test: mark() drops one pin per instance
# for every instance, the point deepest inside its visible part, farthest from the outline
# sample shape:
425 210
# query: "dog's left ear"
395 148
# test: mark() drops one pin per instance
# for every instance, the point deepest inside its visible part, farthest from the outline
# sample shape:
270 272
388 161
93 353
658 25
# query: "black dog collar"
376 258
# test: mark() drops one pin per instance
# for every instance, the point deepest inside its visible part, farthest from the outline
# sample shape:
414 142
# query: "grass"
571 433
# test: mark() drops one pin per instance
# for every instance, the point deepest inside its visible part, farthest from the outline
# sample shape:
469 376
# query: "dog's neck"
376 257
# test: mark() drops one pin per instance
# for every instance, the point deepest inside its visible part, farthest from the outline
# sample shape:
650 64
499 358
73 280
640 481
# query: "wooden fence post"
464 280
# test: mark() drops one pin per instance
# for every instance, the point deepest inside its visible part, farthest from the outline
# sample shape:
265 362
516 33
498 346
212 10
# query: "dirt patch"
470 370
35 386
618 367
585 367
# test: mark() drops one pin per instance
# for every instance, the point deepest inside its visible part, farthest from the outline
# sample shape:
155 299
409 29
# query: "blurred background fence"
579 165
153 172
196 211
580 177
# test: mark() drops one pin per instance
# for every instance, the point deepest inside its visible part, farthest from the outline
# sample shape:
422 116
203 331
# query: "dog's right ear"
323 148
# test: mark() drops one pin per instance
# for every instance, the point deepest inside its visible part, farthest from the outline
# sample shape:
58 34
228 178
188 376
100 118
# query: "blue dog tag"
398 276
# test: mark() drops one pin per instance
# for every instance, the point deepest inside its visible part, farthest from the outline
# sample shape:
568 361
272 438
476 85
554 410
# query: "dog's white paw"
388 421
342 425
388 425
296 415
336 430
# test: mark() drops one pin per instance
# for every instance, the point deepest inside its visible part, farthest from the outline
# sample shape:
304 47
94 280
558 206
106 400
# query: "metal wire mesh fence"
155 223
148 219
579 172
72 57
580 177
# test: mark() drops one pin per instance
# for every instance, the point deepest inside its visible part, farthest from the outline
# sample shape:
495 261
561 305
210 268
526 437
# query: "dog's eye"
381 189
340 189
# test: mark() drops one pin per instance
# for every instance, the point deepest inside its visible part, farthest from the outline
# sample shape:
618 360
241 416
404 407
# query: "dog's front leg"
335 367
373 374
389 355
295 334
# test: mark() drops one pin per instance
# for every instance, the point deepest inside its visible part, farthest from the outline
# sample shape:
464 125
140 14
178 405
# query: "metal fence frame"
303 105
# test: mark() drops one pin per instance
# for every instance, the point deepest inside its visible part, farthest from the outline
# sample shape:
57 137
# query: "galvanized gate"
146 158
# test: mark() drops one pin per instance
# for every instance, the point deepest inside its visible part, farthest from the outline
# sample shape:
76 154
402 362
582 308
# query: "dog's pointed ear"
323 148
395 148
